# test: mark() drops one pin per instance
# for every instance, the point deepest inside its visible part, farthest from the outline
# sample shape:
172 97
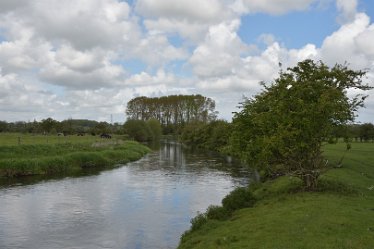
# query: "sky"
85 59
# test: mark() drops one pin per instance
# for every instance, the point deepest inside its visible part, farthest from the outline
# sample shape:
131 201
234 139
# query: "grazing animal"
104 135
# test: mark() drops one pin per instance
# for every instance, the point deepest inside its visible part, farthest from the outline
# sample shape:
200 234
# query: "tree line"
172 111
67 127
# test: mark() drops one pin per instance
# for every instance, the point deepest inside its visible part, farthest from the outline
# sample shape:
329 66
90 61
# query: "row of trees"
282 129
172 111
358 132
68 127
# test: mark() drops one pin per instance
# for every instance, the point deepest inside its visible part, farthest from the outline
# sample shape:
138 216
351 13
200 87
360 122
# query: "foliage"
217 213
137 130
237 199
155 129
143 131
283 128
172 111
212 137
67 127
198 221
366 132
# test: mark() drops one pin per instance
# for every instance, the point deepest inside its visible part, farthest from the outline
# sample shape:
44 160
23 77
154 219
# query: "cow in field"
104 135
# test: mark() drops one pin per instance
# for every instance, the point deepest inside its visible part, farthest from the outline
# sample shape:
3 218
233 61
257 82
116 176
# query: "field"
340 215
32 139
23 155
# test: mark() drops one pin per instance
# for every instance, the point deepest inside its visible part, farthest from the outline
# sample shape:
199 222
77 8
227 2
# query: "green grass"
48 156
340 215
33 139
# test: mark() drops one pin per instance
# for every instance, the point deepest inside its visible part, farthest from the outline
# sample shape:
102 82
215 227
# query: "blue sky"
293 30
86 59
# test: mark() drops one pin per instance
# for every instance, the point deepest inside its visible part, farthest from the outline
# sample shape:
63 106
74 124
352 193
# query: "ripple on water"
145 204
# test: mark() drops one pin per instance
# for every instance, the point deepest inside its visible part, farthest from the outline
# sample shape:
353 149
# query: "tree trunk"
310 180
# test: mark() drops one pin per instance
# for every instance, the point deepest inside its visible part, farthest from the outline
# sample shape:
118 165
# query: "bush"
212 137
238 198
155 129
198 221
217 213
137 130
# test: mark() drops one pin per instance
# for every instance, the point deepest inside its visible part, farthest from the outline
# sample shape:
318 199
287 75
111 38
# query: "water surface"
144 204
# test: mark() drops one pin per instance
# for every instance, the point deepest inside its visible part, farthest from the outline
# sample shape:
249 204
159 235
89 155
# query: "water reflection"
145 204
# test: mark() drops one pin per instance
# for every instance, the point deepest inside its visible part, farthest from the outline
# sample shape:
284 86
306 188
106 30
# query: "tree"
282 129
48 124
3 126
155 129
137 130
212 137
174 111
366 132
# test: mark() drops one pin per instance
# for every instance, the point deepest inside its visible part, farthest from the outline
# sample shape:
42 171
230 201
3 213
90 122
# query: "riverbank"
339 215
72 156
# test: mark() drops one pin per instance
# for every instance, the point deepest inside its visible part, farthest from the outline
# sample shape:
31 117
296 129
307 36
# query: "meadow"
339 215
24 155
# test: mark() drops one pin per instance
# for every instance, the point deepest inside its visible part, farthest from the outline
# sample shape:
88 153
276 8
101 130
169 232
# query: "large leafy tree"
282 129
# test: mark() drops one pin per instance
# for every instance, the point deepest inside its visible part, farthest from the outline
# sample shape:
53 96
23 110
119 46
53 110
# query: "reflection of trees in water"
172 154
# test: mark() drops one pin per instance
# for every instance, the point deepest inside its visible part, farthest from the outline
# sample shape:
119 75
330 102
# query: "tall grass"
47 159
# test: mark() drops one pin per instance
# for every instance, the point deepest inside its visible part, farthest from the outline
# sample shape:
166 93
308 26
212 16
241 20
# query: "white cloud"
85 24
145 79
188 18
156 50
194 10
220 52
23 101
80 61
275 7
364 42
70 55
347 9
108 75
346 44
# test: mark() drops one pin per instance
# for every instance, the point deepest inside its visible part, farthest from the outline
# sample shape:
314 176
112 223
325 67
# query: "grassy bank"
339 215
57 157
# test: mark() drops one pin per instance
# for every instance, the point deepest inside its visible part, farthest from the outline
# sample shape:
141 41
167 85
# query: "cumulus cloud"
275 7
220 52
72 56
188 18
347 9
347 44
145 79
196 10
107 75
84 24
20 99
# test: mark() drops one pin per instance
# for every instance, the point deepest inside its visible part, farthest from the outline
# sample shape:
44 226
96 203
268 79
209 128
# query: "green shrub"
198 221
217 213
238 198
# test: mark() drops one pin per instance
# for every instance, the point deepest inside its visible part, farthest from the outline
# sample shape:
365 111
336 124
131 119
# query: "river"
141 205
